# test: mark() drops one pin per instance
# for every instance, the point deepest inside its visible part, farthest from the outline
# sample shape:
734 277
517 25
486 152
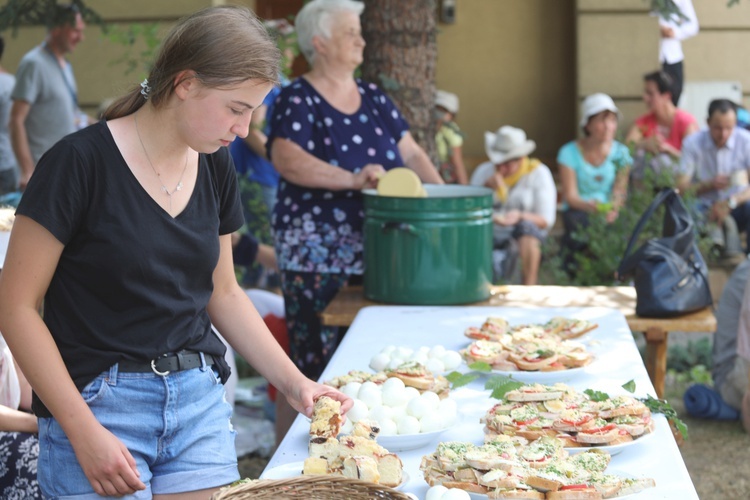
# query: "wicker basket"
310 487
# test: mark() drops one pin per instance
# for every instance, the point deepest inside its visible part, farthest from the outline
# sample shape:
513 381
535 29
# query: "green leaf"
629 386
604 208
500 385
481 366
545 353
461 379
681 426
662 406
596 395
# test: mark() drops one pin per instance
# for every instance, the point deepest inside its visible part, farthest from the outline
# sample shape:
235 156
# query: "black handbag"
669 273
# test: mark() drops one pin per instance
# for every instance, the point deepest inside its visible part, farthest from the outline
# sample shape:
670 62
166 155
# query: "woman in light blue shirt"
593 169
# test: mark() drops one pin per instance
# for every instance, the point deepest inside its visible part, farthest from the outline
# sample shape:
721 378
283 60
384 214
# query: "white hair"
314 19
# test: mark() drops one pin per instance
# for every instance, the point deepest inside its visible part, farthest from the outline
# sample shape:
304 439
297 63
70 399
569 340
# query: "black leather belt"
183 360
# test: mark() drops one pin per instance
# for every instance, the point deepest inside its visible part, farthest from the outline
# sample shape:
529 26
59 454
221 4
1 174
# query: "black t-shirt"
132 282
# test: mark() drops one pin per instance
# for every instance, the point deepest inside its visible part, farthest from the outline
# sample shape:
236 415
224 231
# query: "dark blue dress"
318 232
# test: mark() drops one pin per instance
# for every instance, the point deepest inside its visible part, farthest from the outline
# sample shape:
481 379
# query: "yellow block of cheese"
401 182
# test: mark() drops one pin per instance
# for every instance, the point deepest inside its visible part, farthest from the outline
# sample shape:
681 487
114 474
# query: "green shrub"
689 363
682 358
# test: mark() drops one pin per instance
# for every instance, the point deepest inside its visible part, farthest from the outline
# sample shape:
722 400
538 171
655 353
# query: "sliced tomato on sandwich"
596 430
475 333
586 417
527 422
574 487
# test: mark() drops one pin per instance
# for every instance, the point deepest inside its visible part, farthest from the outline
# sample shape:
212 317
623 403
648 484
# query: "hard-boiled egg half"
437 359
401 410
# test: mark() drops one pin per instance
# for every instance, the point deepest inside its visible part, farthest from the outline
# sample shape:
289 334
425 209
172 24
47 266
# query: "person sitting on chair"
657 136
714 165
594 171
525 195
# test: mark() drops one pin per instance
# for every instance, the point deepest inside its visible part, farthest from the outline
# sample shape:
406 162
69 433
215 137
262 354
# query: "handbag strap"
708 288
661 198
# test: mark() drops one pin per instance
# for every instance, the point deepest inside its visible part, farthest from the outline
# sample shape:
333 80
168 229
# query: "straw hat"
595 104
506 144
447 100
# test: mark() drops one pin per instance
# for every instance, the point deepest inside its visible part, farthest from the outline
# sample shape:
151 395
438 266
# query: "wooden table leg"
656 358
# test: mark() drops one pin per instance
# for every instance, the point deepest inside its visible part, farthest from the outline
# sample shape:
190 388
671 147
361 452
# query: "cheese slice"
401 182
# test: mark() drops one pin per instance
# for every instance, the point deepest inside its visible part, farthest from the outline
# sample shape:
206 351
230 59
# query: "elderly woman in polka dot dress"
331 136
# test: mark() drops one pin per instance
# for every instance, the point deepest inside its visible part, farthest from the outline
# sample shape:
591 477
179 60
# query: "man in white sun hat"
449 139
525 196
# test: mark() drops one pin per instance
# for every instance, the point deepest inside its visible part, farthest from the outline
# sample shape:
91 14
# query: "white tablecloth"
617 361
4 239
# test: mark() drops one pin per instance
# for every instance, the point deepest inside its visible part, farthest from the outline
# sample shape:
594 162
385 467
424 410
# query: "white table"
4 240
617 361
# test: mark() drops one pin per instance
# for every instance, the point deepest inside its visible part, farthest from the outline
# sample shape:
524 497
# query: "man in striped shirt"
715 163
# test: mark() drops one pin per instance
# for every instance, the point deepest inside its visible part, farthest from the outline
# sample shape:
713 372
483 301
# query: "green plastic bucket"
429 251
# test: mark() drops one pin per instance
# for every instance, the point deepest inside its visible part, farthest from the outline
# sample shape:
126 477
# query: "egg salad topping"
453 449
411 368
524 413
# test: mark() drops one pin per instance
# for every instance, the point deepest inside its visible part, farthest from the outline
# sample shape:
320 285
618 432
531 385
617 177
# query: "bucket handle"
398 226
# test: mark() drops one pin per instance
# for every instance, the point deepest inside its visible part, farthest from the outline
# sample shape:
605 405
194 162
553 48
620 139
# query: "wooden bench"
347 303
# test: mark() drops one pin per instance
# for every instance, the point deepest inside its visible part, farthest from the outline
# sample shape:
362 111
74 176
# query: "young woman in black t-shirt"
124 231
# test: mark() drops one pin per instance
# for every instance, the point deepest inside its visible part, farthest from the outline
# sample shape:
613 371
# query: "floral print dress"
19 451
318 232
18 458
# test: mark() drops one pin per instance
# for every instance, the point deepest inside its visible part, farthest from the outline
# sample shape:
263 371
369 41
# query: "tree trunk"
400 57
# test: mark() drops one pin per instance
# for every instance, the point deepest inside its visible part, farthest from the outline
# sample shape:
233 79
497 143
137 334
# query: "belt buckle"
153 367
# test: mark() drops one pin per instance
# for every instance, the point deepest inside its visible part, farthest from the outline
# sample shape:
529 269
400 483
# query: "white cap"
595 104
447 100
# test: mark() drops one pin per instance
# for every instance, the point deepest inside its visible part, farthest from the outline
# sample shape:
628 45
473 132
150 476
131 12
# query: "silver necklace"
164 189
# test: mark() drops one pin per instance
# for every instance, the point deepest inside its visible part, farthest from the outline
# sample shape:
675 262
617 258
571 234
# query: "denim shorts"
177 428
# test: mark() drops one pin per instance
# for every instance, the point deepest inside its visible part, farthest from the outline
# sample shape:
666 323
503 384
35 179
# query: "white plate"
630 475
611 449
404 442
619 473
294 469
542 377
284 471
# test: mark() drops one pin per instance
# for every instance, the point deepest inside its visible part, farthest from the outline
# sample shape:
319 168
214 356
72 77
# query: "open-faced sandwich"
492 329
357 455
536 411
357 376
506 469
415 374
568 328
412 373
496 329
527 352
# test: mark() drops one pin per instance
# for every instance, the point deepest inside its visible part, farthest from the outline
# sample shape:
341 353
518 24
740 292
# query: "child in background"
449 139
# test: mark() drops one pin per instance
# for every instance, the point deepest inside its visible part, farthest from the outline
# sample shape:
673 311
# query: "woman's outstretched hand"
303 396
368 176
